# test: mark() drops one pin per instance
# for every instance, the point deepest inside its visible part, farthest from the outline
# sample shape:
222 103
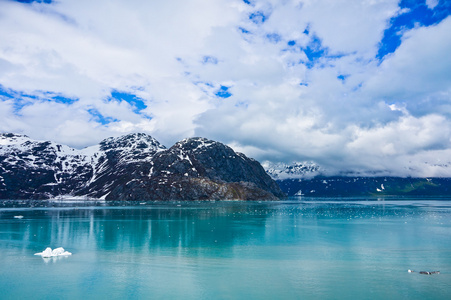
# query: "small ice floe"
18 217
425 272
48 252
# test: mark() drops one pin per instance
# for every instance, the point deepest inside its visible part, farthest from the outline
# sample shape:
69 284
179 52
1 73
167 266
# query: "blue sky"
417 14
355 86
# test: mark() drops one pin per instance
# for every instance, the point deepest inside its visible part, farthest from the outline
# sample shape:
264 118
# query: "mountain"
309 179
131 167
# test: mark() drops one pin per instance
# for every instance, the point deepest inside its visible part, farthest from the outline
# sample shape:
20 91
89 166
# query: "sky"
358 87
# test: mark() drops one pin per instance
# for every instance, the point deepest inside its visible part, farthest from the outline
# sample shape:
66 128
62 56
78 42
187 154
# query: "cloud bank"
356 86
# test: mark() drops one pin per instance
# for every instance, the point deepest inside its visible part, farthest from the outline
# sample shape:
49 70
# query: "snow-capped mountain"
295 170
28 167
309 179
131 167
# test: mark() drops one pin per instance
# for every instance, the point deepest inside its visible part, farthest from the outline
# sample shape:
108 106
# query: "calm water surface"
294 249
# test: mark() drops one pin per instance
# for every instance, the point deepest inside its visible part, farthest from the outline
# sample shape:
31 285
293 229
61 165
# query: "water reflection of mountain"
136 228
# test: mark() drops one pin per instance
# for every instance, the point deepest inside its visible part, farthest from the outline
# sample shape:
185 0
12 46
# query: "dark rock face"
132 167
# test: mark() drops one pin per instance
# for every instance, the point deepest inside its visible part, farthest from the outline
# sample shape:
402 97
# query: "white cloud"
432 3
400 142
349 26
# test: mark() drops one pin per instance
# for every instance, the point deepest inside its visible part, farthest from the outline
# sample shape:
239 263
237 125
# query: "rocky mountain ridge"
131 167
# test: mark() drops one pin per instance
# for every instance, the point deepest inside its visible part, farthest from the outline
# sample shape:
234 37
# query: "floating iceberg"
48 252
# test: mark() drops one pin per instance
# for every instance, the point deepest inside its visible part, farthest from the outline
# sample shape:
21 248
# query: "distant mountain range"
307 179
131 167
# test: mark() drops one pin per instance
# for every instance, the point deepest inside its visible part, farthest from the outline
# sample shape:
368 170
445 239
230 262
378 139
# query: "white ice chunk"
48 252
18 217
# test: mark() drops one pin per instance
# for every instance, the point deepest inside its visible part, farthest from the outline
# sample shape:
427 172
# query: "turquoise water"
294 249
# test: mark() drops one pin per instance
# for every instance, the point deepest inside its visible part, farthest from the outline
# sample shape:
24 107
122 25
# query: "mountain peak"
12 138
132 141
195 143
11 135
